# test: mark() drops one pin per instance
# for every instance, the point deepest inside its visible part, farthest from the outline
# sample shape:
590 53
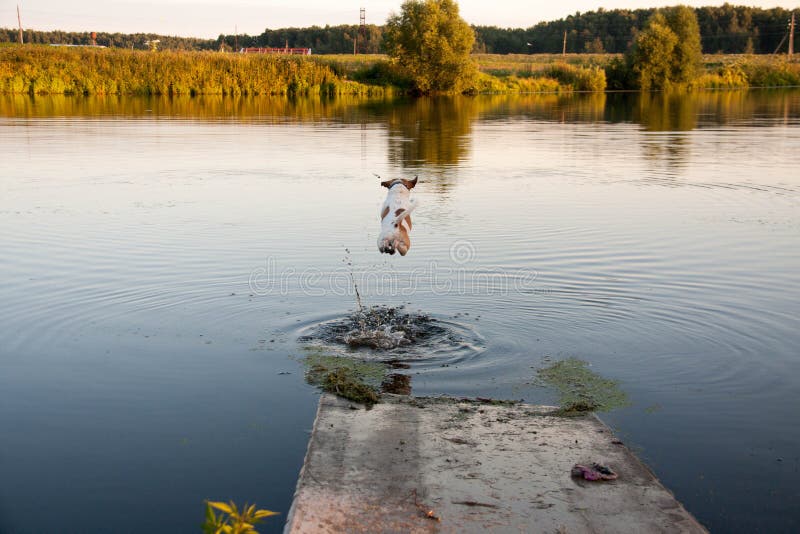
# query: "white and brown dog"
396 216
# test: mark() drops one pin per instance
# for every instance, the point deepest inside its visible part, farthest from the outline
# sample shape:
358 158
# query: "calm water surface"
160 258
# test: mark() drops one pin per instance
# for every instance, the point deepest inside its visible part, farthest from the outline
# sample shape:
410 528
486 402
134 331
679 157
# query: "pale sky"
209 18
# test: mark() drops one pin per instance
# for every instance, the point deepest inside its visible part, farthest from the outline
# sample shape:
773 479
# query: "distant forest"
726 29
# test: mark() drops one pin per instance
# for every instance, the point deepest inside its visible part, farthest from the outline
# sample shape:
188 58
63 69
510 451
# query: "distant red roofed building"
284 50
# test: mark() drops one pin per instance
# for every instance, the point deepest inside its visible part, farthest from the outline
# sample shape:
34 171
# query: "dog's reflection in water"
396 216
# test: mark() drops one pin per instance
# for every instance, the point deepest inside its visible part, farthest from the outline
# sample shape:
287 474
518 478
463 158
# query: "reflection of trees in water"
431 131
659 112
668 117
554 108
674 115
434 135
208 107
416 119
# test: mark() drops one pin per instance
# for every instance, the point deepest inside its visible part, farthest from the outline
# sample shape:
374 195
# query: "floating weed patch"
580 389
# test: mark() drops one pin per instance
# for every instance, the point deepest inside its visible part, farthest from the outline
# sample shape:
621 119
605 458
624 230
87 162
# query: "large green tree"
687 57
667 52
653 54
431 43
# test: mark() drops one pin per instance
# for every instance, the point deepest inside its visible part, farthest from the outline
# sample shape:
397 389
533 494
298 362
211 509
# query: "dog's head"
409 184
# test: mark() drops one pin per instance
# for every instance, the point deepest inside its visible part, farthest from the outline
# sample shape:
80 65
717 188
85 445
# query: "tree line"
726 29
322 40
136 41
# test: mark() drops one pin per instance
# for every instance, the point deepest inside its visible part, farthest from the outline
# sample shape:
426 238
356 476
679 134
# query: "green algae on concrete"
346 384
369 372
350 378
580 389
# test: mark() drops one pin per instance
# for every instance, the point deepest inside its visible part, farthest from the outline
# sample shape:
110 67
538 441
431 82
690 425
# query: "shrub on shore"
779 73
725 77
591 79
385 74
555 78
485 83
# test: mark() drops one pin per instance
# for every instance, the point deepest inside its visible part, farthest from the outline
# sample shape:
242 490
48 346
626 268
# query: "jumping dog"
396 216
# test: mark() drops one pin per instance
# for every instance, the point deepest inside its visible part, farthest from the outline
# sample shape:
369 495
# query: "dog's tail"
412 206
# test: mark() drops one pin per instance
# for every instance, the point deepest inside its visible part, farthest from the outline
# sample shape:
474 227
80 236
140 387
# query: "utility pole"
236 38
20 26
791 37
564 48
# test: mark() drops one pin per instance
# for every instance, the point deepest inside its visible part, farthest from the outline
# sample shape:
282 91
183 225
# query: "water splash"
380 327
349 261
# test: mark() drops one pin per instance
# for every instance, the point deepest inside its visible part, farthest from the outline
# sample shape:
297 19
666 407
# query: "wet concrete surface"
446 465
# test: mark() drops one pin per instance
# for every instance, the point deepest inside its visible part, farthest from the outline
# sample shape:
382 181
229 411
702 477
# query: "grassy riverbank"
579 70
730 71
748 70
46 70
545 73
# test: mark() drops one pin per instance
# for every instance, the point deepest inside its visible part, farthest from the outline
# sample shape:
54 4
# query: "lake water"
159 260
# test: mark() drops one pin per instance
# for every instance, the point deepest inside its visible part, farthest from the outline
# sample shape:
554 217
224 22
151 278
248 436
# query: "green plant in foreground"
231 520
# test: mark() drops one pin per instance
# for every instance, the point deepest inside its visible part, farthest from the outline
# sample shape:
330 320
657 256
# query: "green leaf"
260 514
221 506
235 511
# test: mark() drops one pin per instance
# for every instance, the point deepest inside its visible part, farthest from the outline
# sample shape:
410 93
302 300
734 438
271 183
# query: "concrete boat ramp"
447 465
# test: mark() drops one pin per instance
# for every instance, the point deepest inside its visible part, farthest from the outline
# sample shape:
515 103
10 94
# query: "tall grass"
578 78
725 77
45 70
513 84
